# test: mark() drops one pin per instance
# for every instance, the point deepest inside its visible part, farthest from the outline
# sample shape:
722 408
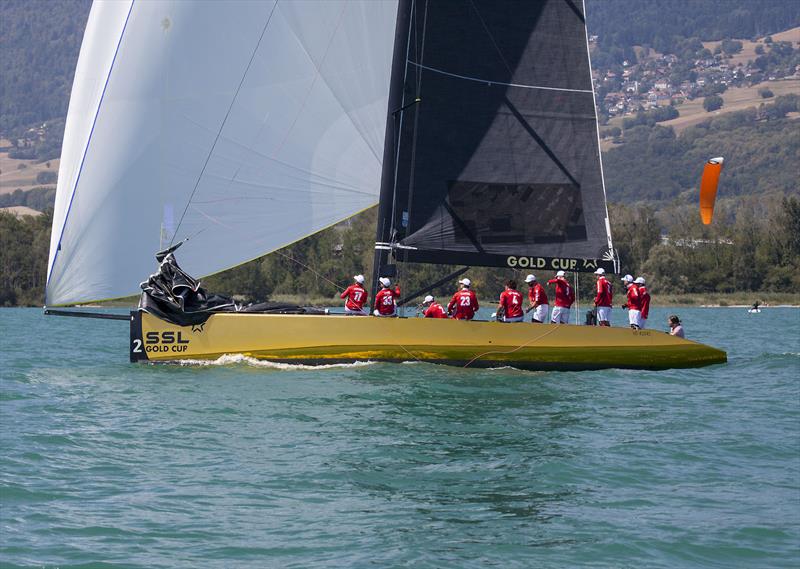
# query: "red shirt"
511 301
644 301
384 301
537 295
565 296
435 310
604 293
634 300
356 297
463 305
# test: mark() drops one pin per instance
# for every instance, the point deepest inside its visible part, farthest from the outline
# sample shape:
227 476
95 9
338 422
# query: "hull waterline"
317 340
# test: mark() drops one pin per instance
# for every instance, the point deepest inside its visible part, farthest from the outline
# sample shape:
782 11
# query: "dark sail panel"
500 157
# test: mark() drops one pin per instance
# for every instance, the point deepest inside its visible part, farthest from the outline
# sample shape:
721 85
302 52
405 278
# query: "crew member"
464 303
385 303
565 296
432 308
633 304
511 303
644 302
603 298
675 327
356 297
537 300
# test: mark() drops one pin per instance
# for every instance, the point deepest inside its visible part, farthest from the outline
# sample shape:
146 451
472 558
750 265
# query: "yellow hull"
313 339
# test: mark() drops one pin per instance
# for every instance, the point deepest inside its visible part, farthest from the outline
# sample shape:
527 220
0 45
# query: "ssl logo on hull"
167 341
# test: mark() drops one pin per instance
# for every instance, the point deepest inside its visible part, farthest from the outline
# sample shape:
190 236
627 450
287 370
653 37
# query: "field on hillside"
13 177
748 52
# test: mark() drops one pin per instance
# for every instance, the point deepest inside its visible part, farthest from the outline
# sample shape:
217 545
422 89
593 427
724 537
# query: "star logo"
198 327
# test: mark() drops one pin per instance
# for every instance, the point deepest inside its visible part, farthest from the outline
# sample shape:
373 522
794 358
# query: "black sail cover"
498 163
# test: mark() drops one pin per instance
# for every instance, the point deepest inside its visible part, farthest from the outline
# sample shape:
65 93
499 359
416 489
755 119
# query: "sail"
241 125
496 150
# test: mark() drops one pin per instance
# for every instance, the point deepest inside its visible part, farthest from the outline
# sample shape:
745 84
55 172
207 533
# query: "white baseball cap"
465 282
560 273
639 280
530 278
428 299
359 279
385 281
627 278
600 271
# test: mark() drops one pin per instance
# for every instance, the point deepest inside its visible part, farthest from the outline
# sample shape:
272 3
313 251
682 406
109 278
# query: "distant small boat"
754 310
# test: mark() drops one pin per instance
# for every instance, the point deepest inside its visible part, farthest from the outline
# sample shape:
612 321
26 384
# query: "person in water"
603 298
464 303
756 304
511 303
565 296
356 296
644 302
432 308
634 302
676 329
385 303
537 300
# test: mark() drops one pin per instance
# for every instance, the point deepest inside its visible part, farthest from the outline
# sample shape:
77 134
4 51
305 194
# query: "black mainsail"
492 155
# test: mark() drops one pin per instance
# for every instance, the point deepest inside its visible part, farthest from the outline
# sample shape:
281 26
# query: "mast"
394 121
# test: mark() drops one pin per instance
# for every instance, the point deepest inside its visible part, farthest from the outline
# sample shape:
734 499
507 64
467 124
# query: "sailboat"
242 127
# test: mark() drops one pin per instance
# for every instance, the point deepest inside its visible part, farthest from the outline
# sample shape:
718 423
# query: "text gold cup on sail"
541 263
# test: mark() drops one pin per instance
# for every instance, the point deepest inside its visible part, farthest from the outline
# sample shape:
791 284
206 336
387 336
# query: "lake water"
110 464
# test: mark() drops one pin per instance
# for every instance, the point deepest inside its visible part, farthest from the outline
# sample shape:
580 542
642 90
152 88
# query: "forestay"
243 125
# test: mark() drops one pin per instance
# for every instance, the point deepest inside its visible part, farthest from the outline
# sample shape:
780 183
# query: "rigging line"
492 82
491 37
323 277
553 329
89 140
415 130
224 120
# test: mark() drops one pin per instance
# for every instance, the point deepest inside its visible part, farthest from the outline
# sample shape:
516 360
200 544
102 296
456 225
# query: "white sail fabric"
243 125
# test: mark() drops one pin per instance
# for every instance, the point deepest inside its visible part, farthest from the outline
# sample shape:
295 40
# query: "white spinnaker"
243 125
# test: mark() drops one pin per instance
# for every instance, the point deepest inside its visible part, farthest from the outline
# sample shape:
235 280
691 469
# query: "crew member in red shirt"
385 304
356 297
464 303
634 303
644 302
537 298
432 308
565 296
511 303
603 298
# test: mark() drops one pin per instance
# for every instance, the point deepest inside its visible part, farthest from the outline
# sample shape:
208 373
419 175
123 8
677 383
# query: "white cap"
627 278
465 282
385 281
600 271
560 273
639 280
428 299
359 279
530 278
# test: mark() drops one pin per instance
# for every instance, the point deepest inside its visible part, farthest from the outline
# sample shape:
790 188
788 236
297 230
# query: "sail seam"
491 82
88 142
224 120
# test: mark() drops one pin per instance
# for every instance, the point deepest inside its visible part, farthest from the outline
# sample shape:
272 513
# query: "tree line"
752 245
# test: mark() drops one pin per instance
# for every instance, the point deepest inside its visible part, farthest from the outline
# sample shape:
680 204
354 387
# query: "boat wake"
240 359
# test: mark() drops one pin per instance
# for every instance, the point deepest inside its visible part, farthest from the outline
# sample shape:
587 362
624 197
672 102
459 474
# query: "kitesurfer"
511 303
676 329
385 303
356 296
565 296
537 299
634 302
432 308
603 298
464 303
644 302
